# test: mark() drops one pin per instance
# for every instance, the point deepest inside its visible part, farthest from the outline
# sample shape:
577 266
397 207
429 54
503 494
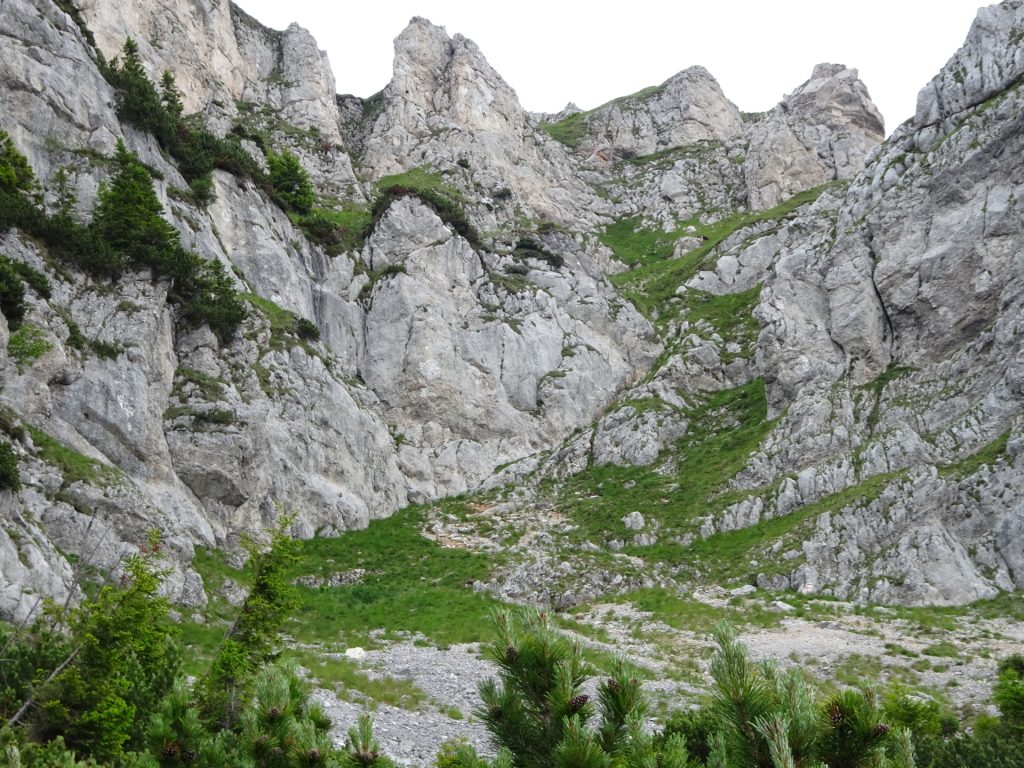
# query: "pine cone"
276 751
496 712
189 755
263 739
511 653
170 750
576 703
881 729
835 715
313 755
273 713
612 684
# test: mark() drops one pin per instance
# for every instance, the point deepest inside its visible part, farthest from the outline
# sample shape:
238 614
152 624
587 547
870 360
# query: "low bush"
307 329
12 294
10 479
527 248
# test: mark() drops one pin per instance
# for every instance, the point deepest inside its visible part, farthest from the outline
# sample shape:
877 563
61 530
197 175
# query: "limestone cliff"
881 309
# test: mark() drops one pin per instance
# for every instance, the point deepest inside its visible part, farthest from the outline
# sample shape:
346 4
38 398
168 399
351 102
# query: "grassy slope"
652 282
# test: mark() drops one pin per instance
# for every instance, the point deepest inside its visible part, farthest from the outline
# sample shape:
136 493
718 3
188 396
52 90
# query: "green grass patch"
420 180
569 131
338 231
987 455
635 244
201 640
724 430
346 678
943 648
412 585
200 643
284 325
857 668
73 465
898 650
731 315
27 344
651 284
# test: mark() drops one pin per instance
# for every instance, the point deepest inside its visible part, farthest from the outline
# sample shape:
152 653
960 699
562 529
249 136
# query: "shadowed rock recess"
775 348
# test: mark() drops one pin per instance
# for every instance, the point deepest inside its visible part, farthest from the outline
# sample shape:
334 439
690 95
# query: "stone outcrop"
820 132
687 108
436 364
447 108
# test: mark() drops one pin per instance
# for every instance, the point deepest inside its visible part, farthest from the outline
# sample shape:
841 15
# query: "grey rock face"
820 132
991 59
445 105
687 108
209 67
469 388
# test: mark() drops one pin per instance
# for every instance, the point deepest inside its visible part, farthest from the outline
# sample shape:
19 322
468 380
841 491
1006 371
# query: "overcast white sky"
553 52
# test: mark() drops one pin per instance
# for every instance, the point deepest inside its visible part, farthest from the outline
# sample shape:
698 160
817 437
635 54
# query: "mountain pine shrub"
765 718
537 710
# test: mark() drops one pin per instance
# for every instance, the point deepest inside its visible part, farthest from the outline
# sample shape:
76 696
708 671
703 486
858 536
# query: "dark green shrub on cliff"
10 479
15 173
252 639
128 217
196 150
12 294
290 181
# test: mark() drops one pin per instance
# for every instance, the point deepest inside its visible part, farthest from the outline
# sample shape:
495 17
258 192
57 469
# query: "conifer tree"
362 750
138 102
121 661
1008 691
128 217
178 737
283 727
539 713
290 181
251 640
769 719
170 96
16 174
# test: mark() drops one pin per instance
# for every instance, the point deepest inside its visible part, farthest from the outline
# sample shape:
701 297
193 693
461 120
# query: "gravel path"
412 737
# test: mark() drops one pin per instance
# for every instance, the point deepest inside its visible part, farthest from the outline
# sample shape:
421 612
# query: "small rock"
634 521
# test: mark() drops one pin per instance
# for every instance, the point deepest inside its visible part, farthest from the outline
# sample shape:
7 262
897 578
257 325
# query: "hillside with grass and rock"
648 366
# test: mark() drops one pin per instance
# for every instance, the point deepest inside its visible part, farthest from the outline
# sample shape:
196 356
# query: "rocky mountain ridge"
637 274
